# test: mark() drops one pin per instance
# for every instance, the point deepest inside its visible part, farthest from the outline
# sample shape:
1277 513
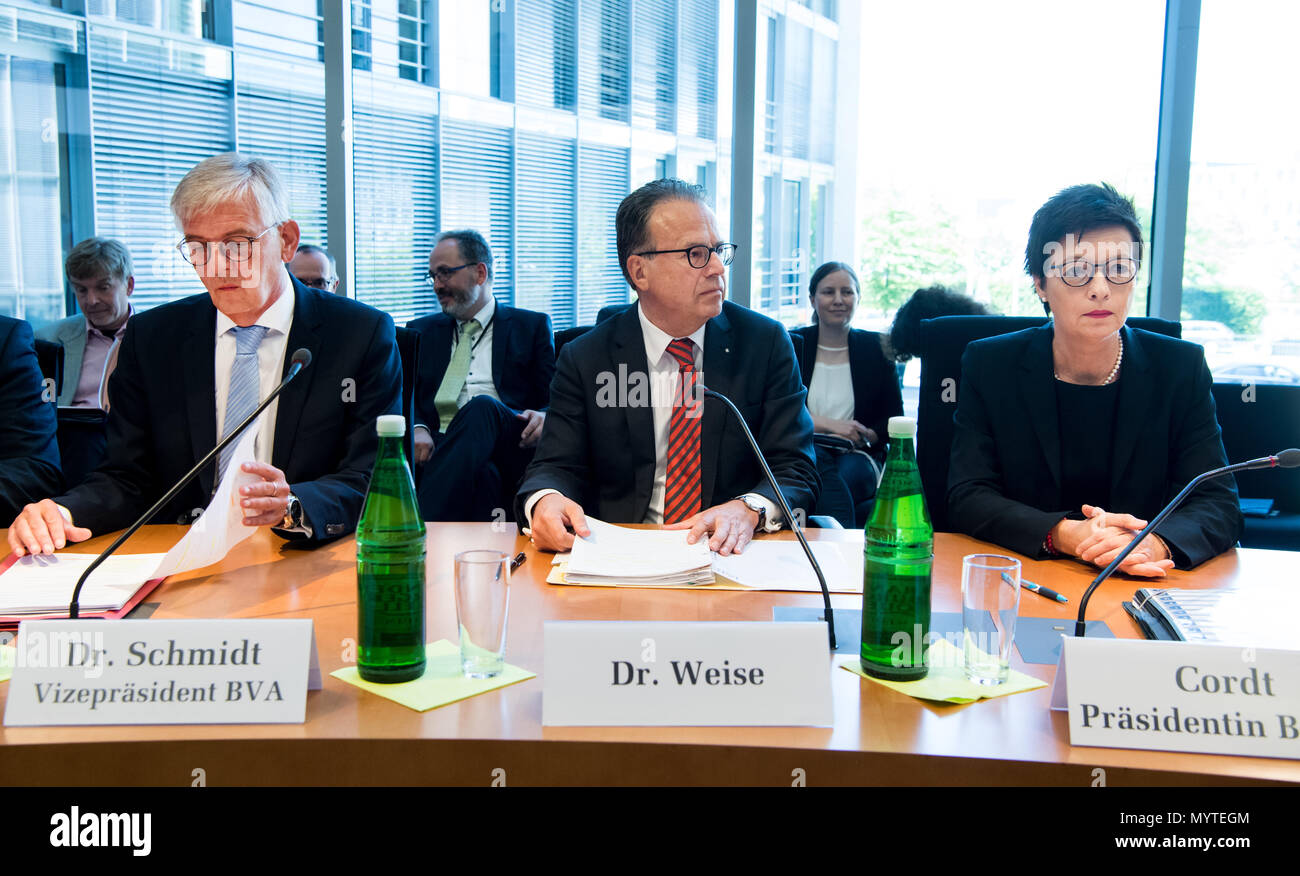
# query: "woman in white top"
852 388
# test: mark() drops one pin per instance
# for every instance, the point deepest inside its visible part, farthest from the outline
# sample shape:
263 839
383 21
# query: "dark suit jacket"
876 395
163 418
1004 485
29 449
601 453
523 359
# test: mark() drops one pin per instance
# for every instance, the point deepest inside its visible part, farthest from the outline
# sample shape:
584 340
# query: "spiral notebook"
1259 616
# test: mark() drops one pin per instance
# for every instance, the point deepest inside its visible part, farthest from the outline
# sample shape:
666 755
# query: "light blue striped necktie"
244 385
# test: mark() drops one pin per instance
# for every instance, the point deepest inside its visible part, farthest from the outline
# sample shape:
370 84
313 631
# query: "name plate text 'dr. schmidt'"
83 672
629 673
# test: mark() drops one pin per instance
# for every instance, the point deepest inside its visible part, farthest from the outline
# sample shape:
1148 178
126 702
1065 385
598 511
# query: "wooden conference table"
353 738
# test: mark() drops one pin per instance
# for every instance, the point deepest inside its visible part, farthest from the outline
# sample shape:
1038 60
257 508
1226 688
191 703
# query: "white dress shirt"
270 366
665 381
830 394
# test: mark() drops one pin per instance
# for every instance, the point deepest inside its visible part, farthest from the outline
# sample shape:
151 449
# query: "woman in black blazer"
852 388
1069 437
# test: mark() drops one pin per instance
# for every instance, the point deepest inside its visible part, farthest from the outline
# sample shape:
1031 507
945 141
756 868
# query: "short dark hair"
473 247
1078 210
928 303
634 214
829 268
97 256
313 249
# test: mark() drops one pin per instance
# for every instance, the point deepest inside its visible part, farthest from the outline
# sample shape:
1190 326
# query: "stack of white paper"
638 557
43 584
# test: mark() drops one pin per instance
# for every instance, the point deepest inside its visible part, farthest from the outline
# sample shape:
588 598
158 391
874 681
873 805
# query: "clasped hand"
1100 538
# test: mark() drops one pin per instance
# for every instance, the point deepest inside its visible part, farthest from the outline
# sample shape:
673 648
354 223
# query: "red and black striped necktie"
682 484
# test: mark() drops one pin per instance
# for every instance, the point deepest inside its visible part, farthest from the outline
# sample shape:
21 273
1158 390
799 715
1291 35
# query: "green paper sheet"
442 682
7 653
946 681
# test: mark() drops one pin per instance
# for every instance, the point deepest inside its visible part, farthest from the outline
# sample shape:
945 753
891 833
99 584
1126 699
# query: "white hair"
229 177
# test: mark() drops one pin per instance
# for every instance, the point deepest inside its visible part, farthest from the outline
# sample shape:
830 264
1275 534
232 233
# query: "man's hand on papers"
265 502
41 528
731 523
555 521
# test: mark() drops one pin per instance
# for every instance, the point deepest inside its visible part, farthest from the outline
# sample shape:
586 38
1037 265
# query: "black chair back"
1259 420
50 356
408 348
942 343
563 336
83 439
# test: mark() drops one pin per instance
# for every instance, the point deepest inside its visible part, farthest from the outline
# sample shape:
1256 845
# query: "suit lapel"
1038 392
719 376
198 375
305 332
73 337
501 324
1136 394
629 351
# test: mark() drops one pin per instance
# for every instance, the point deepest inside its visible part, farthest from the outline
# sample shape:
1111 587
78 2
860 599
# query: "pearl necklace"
1110 378
831 349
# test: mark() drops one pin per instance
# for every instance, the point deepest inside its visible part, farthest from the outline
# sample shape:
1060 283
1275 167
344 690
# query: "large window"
968 128
31 137
1241 268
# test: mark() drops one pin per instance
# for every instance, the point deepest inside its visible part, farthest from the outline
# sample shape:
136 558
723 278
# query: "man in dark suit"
482 388
29 452
190 370
629 436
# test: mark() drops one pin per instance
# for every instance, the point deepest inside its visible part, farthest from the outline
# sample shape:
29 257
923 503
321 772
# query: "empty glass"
482 604
990 601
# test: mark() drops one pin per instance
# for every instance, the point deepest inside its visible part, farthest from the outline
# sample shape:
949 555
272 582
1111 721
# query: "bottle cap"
902 427
391 426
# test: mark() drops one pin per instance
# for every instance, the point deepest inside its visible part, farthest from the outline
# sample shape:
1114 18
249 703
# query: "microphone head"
1288 458
301 357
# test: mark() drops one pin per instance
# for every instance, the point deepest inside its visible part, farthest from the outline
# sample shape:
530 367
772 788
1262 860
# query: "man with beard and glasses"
482 386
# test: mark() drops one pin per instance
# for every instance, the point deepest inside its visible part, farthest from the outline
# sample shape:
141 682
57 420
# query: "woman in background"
852 388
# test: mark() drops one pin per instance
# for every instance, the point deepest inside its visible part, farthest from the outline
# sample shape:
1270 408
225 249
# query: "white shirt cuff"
531 501
772 519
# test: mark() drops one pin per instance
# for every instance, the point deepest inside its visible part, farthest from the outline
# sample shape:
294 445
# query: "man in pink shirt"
100 273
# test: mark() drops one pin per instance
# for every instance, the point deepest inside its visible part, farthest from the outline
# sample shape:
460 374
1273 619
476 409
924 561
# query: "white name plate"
81 672
632 673
1178 696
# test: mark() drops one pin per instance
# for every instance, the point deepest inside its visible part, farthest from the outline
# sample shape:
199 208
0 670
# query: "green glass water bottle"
896 571
390 566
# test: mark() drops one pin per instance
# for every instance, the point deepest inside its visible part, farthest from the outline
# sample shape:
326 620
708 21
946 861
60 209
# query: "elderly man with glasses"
482 388
191 370
629 436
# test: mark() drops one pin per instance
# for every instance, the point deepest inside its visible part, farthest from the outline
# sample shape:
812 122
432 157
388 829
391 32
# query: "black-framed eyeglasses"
698 256
321 283
1080 272
234 249
442 273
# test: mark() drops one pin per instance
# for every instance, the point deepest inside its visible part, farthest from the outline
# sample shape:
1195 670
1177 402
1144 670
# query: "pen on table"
517 561
1037 588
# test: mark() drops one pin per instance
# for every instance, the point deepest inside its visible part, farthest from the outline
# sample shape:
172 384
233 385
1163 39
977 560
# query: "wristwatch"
292 514
757 507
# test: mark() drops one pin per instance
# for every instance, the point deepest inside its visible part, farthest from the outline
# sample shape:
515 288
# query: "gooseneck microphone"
785 509
1283 459
301 359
